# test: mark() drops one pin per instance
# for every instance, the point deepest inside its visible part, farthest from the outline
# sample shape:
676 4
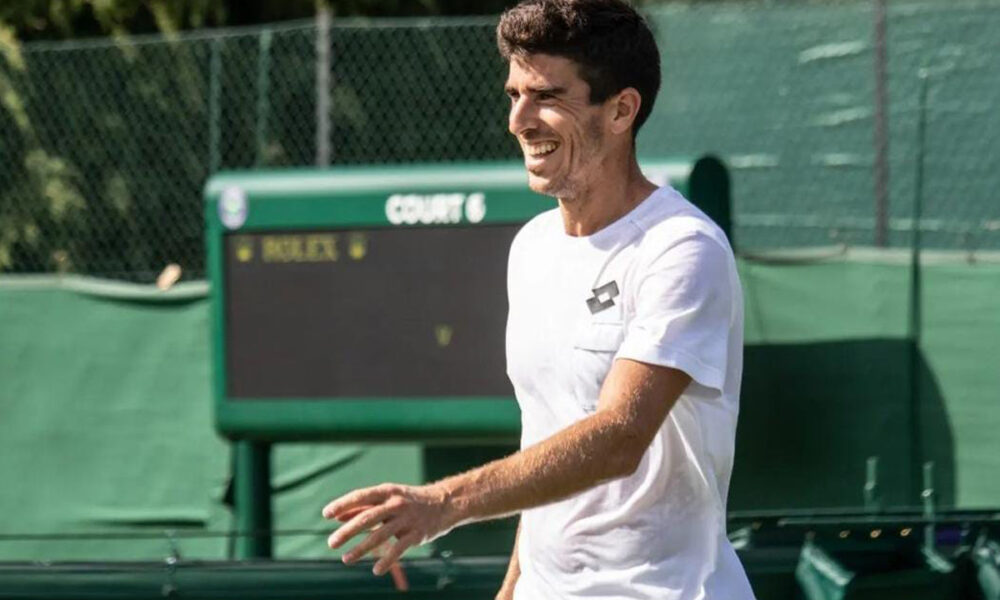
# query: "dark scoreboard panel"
376 312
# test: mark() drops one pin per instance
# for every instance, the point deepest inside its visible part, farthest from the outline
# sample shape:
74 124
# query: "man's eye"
513 96
544 96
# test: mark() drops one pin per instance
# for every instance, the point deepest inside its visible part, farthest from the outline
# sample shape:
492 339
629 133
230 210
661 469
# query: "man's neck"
613 193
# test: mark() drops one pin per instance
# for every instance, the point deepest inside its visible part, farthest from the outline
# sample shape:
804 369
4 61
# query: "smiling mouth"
540 149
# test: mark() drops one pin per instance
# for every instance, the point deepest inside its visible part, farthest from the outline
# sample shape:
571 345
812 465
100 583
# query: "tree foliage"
106 145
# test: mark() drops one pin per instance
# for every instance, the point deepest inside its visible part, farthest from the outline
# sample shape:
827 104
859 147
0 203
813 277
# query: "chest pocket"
594 348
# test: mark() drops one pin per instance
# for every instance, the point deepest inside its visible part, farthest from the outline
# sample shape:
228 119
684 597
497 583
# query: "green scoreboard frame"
300 216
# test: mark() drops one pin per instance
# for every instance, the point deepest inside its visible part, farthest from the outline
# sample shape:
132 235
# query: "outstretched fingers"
347 515
357 499
372 542
393 554
365 519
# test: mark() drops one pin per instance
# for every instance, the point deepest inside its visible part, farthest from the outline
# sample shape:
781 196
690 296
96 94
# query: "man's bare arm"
513 571
609 444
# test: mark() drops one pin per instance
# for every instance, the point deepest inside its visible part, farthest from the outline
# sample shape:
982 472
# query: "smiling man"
624 345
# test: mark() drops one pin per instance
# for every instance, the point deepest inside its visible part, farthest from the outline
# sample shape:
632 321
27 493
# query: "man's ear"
624 109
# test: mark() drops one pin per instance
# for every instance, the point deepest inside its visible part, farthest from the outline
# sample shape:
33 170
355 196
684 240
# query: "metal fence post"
263 93
214 108
323 18
916 287
881 135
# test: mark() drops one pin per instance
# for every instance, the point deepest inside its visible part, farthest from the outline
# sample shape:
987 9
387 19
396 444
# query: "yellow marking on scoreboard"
244 249
299 248
357 246
443 334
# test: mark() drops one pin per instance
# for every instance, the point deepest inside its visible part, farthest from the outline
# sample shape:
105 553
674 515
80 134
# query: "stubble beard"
573 182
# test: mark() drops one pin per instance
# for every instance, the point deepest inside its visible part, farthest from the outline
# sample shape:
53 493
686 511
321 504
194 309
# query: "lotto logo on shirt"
428 209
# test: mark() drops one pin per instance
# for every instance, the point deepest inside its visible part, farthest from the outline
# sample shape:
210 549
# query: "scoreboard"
370 302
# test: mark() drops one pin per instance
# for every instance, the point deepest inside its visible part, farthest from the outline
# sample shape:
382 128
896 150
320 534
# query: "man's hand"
410 514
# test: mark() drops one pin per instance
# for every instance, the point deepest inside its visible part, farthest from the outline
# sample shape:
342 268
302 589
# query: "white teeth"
540 149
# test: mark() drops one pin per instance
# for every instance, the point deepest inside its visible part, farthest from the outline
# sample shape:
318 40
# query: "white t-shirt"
659 286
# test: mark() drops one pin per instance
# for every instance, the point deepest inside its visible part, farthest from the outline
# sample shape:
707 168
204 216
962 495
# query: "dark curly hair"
609 41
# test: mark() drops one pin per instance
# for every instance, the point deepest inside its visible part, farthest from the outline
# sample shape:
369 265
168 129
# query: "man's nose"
523 116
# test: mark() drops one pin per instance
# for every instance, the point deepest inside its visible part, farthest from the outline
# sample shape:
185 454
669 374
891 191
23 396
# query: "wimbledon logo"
233 207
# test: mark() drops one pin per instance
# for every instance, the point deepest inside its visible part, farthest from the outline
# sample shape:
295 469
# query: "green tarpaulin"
105 409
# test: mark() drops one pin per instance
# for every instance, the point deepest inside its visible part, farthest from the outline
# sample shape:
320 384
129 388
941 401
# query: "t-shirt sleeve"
683 310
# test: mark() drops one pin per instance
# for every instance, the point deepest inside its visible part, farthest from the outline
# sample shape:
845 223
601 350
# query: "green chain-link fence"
106 144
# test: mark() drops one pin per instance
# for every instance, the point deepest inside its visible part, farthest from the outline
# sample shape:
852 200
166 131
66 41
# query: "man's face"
559 130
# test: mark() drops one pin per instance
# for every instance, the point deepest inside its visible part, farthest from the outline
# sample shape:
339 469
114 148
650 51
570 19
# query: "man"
624 345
